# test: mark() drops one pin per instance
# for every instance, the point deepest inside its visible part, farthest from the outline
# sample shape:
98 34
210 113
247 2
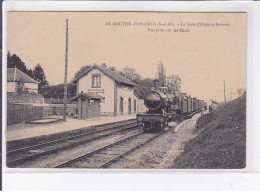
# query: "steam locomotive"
164 106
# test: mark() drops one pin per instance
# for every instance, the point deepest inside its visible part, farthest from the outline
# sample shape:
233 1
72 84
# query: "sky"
202 57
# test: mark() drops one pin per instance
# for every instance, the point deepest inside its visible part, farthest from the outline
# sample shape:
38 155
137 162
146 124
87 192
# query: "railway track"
108 154
21 155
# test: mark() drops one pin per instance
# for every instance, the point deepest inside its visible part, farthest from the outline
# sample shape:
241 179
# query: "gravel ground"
161 152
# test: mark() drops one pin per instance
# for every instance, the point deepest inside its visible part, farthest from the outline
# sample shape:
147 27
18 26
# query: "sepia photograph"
126 90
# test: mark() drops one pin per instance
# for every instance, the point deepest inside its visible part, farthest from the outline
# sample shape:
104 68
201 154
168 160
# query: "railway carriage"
189 104
205 105
199 104
202 104
184 107
195 106
192 105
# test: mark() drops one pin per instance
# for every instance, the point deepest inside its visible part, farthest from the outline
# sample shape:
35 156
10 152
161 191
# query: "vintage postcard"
126 90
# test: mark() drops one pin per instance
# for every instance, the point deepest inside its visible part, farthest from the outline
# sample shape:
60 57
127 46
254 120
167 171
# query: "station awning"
89 95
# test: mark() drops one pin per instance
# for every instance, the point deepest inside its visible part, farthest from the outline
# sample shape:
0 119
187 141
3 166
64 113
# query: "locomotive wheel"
147 127
157 127
163 125
160 127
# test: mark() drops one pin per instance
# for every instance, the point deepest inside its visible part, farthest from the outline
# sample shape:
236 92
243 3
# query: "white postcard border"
32 178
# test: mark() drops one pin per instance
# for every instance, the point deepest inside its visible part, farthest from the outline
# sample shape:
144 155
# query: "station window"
96 81
134 105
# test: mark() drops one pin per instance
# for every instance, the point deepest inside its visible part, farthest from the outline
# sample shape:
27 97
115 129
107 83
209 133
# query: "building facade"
17 79
118 91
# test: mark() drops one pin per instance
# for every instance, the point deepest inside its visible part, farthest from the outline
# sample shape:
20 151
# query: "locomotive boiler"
165 106
160 109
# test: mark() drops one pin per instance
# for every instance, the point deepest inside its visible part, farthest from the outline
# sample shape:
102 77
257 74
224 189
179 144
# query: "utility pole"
224 92
65 77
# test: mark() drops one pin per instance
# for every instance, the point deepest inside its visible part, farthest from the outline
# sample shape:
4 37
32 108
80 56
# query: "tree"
57 91
131 74
30 73
39 75
8 59
15 61
174 83
161 73
144 87
82 70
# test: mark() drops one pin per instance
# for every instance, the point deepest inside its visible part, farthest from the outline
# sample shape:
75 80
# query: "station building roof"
110 73
16 75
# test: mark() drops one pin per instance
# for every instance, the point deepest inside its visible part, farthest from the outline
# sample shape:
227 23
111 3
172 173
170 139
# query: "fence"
203 120
55 100
19 113
57 109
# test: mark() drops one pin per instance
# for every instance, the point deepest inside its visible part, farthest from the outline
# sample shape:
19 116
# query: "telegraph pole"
65 77
224 92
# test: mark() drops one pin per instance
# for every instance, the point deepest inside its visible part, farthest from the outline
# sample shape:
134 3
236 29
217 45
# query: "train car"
184 107
195 104
192 104
189 104
199 104
205 105
202 103
176 106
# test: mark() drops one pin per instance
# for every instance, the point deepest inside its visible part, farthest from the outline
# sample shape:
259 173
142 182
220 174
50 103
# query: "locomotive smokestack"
156 84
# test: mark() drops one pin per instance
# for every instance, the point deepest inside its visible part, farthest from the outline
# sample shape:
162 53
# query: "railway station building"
16 77
22 88
117 91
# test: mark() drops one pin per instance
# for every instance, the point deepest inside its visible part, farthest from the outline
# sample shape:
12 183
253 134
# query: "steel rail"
64 164
20 160
128 151
66 138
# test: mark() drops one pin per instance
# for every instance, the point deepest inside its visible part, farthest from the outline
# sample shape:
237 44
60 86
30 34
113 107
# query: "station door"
121 106
94 109
129 106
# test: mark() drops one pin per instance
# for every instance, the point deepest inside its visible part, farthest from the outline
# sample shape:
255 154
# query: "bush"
221 144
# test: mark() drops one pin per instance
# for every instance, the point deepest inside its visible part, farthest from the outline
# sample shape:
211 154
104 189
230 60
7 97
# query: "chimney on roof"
104 65
112 68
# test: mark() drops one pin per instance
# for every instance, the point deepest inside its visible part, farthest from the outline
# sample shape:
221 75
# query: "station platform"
25 130
189 124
